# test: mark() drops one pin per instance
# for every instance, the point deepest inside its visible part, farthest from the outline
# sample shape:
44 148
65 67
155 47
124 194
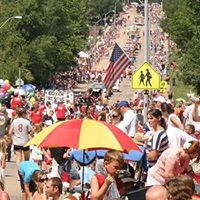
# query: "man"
26 170
54 189
157 193
129 118
61 111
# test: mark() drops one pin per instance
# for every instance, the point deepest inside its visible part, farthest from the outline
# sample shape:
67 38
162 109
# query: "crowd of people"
169 139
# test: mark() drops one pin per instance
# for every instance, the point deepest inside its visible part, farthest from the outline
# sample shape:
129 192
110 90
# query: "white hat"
160 99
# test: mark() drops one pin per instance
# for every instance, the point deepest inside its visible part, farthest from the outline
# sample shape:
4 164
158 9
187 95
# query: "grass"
181 90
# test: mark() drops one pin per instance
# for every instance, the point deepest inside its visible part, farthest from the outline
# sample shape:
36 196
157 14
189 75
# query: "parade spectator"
20 128
178 190
172 163
116 119
157 137
54 189
4 120
61 111
106 185
3 194
40 178
190 130
129 118
16 101
158 102
172 119
36 114
157 193
2 159
48 118
26 170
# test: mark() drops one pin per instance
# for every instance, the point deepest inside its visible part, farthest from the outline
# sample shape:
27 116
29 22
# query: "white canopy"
82 54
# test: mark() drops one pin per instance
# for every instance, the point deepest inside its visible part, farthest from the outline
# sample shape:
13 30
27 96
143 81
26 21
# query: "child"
2 159
105 185
190 130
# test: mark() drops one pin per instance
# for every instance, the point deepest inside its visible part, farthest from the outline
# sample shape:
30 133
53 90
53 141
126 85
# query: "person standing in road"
129 118
20 128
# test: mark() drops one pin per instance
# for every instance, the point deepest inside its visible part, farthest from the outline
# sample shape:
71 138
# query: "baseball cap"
160 99
123 103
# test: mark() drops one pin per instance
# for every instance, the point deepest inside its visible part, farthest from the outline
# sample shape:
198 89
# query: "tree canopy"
182 22
46 39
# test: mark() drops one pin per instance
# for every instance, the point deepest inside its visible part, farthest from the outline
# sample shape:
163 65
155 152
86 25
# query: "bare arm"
152 155
10 132
177 123
96 192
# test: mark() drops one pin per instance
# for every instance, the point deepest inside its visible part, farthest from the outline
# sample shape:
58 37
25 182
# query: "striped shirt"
158 141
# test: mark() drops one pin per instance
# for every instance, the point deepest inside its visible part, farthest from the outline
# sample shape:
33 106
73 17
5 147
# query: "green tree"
46 40
182 22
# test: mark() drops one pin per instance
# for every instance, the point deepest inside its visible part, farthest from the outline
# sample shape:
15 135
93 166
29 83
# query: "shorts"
18 148
32 185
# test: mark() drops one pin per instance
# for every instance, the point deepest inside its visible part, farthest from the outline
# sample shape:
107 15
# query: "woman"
172 119
196 116
39 178
157 140
172 163
116 119
20 129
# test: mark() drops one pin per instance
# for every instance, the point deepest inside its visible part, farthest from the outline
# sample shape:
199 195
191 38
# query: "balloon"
6 87
1 95
1 81
32 100
31 94
10 91
7 81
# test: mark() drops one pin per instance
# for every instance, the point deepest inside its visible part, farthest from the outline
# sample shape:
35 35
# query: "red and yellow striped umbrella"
84 134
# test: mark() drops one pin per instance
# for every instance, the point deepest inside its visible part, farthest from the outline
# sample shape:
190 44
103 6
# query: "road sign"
19 82
146 78
163 85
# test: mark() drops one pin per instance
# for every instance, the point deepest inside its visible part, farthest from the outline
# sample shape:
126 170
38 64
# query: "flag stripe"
119 61
115 66
114 79
118 71
109 74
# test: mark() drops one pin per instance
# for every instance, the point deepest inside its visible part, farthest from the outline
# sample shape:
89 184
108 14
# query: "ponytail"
163 123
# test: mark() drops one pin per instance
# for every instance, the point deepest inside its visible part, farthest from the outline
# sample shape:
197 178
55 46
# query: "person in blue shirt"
26 169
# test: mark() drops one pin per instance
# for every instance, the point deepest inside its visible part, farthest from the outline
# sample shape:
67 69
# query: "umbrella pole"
83 171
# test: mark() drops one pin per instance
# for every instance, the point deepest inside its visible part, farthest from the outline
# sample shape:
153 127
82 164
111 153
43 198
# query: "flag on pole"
119 61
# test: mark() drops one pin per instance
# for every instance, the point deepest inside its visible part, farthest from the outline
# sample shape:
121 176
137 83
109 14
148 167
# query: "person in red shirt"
60 111
36 115
16 101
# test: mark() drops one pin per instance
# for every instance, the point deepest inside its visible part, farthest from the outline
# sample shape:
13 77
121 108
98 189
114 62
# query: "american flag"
119 61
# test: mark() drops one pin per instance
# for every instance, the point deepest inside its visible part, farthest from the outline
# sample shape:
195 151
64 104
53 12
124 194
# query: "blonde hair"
2 145
113 155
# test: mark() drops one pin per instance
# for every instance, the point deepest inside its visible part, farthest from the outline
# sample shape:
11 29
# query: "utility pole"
146 52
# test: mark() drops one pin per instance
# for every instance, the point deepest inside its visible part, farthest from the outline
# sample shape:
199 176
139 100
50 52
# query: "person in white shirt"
129 118
172 119
116 119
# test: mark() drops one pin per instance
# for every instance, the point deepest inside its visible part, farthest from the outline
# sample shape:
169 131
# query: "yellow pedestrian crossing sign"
163 86
146 78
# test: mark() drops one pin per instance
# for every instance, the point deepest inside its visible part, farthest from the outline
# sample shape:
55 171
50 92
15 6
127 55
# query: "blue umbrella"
28 87
89 156
131 156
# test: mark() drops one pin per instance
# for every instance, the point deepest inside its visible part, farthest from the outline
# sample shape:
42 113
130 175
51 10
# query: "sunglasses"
114 116
43 180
